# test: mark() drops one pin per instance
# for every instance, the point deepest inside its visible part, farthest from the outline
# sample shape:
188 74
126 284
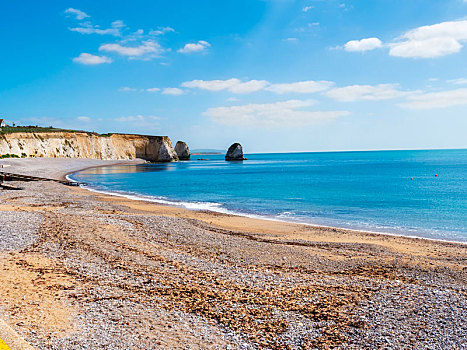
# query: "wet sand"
81 270
56 168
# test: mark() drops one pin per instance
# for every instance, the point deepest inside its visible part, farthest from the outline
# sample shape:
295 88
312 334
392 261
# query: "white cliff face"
88 145
182 150
166 152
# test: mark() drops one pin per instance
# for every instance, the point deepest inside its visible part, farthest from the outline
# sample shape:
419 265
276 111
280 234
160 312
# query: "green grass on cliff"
39 129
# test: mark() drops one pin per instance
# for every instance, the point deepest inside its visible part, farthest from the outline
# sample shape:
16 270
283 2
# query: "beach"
84 270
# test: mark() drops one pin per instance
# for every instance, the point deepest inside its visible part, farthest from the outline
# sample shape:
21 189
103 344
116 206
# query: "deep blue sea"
383 191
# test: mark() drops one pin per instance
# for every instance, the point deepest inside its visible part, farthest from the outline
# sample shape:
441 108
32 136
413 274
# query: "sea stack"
182 150
235 152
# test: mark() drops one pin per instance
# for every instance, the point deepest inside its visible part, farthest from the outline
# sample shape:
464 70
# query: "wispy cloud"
127 89
279 114
88 28
307 8
84 119
153 90
200 46
459 81
211 85
435 100
366 92
301 87
172 91
88 59
248 86
233 85
161 31
148 48
79 15
238 86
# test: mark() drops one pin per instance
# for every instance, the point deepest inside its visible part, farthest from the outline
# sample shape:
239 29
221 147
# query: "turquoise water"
370 191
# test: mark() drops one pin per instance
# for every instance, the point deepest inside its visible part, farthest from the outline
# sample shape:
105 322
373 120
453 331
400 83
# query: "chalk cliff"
88 145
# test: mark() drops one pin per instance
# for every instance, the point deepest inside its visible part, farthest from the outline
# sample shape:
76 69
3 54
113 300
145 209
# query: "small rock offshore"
235 152
182 150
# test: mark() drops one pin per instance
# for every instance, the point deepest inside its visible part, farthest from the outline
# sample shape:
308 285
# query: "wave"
286 216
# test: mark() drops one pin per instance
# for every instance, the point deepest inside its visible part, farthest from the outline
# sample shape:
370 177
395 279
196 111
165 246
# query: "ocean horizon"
419 193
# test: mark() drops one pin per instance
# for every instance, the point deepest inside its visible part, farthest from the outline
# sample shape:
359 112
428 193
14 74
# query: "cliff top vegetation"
40 129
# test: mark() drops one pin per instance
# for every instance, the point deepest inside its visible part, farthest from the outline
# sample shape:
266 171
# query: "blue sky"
275 75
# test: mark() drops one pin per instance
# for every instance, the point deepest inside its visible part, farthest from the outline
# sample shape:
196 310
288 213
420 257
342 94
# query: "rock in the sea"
182 150
166 152
235 152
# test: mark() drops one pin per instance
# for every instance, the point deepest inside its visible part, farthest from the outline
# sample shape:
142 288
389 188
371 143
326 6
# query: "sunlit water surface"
384 191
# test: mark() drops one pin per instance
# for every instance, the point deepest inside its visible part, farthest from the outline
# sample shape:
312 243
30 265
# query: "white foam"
218 208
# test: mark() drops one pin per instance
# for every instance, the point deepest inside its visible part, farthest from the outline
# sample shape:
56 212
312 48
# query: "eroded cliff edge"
87 145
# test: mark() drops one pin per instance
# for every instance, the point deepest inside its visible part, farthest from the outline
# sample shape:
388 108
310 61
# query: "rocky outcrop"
235 152
182 150
88 145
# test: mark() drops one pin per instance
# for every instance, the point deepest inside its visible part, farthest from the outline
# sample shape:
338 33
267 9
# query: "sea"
420 193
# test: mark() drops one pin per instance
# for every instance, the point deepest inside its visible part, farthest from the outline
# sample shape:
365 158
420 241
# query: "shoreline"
168 202
81 269
59 168
65 174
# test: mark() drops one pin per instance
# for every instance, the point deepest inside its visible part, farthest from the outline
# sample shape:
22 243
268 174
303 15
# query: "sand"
95 271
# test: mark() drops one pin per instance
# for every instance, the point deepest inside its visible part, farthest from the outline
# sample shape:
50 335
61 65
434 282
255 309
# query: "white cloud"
248 86
460 81
127 89
366 92
172 91
302 87
307 8
84 119
233 85
211 85
77 13
147 47
195 47
87 58
118 24
161 31
88 28
242 87
280 114
433 100
153 90
431 41
363 45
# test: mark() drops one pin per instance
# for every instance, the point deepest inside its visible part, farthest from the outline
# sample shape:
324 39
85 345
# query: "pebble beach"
82 270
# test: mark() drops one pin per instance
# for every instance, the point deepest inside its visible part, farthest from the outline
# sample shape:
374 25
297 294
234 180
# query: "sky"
274 75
